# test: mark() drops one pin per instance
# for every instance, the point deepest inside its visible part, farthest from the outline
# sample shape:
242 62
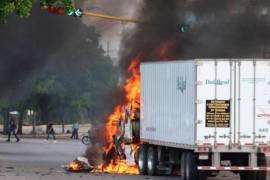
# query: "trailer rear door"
230 106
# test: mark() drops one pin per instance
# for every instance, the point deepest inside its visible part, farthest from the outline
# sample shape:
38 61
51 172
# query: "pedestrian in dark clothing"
75 130
12 130
50 131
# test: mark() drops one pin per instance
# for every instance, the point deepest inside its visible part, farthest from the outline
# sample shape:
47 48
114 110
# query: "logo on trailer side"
181 84
217 82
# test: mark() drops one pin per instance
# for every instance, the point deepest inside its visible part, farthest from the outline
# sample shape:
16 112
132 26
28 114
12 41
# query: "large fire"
118 164
115 160
132 91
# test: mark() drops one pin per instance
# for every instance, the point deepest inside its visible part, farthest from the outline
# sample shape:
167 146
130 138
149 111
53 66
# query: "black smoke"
217 29
51 48
27 44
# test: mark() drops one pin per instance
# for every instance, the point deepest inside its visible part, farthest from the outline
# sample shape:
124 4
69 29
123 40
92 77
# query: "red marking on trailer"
233 168
263 145
220 144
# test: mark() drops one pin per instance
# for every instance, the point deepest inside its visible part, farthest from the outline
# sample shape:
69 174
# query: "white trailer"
205 116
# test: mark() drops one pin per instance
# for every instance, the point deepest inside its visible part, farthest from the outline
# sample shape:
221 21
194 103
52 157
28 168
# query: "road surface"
33 159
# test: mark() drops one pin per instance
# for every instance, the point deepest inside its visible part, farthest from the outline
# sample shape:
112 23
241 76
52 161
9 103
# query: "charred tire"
183 165
261 175
191 167
151 161
142 158
136 157
251 175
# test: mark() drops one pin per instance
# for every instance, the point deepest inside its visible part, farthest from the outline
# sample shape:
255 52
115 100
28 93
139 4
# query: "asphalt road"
33 159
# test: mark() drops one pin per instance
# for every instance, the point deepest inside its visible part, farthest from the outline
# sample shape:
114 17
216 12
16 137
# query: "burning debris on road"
80 164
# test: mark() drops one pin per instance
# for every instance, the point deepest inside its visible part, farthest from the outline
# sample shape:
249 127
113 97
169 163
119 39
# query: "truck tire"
191 167
261 175
250 175
183 165
142 158
202 175
136 157
151 161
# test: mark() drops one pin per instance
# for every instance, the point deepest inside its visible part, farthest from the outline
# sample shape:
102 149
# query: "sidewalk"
41 129
44 136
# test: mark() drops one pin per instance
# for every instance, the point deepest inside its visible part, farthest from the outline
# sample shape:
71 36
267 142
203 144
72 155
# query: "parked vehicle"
205 116
86 140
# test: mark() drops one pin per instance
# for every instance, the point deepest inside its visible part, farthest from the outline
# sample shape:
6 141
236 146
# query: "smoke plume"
27 44
217 29
110 31
60 50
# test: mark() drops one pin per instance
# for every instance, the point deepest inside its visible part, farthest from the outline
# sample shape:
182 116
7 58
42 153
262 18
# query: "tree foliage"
23 7
62 73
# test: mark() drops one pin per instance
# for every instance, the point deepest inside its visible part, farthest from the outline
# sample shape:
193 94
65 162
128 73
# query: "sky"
111 31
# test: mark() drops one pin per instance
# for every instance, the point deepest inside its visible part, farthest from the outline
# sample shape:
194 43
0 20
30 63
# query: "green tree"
20 7
61 73
23 7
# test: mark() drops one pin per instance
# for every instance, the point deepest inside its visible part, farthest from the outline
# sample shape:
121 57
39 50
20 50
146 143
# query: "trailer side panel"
168 103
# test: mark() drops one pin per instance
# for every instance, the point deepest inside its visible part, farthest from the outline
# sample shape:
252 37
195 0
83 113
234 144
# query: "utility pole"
63 125
108 48
33 116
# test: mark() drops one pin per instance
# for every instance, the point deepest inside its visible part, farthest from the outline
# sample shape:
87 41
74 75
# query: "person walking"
50 131
12 129
75 131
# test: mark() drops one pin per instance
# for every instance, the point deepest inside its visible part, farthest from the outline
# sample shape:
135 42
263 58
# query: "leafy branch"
23 8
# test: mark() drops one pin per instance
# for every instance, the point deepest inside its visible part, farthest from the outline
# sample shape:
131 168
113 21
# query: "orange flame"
117 167
164 52
121 167
111 125
132 89
133 85
75 165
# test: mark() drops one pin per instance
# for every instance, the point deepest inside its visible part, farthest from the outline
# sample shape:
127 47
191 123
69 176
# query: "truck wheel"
251 175
191 167
151 161
136 157
183 165
142 157
261 175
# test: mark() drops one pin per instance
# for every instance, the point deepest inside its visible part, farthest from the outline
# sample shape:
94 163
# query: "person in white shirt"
75 131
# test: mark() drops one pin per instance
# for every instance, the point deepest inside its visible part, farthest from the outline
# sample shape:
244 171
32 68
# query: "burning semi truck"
199 117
